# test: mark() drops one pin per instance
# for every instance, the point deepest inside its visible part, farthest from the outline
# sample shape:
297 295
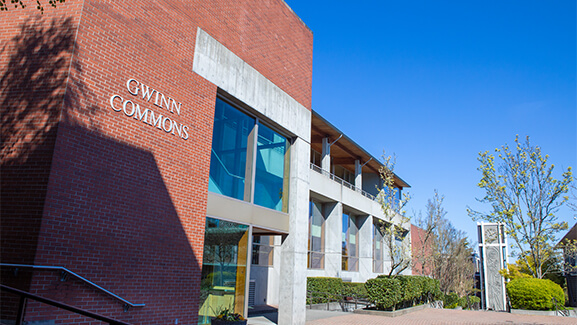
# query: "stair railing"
27 295
64 274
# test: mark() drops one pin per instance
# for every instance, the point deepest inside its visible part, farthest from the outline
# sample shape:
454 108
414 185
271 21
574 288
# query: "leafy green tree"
395 239
515 271
524 196
19 3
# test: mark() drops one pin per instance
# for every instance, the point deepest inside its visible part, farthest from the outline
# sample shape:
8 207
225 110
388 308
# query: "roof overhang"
345 151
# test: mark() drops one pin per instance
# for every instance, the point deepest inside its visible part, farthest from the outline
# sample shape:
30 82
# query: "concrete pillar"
292 287
333 238
326 155
365 247
358 174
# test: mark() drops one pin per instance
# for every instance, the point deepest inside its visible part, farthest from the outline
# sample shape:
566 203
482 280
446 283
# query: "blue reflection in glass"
270 169
229 146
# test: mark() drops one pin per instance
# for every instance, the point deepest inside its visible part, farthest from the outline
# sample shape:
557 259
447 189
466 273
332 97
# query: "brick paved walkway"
445 316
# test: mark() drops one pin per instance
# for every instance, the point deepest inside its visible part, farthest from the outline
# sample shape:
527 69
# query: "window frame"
252 140
347 258
310 252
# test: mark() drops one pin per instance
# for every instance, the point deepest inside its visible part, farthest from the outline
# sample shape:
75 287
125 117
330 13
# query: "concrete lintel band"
214 62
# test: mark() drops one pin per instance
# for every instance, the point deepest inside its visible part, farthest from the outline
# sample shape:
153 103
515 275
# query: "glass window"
271 185
316 158
233 165
378 236
229 147
223 268
316 253
262 250
400 235
344 174
350 252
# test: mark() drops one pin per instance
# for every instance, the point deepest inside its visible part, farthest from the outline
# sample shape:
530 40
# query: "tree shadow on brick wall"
33 84
73 197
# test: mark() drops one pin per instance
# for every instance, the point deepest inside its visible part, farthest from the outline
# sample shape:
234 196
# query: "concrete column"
333 238
358 174
365 247
326 155
292 288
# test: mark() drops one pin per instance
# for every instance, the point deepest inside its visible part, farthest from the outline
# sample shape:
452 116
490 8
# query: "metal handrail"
67 271
563 312
224 167
342 299
27 295
341 181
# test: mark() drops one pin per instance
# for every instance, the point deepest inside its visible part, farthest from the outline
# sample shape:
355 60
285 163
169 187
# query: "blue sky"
436 82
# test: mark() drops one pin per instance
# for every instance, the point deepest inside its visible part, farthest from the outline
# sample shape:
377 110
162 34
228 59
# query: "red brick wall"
35 56
421 250
118 201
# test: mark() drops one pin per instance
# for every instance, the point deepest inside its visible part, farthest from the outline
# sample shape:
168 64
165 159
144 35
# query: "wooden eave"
345 151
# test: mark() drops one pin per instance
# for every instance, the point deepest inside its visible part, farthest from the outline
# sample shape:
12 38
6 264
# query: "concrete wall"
336 198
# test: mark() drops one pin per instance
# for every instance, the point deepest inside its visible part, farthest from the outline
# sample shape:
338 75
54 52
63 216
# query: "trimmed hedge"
324 289
354 289
333 289
384 293
534 294
390 293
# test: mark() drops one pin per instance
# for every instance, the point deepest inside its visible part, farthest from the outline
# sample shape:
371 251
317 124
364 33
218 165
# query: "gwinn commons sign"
148 116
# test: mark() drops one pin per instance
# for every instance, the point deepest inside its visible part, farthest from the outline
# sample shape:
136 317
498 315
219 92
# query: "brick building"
422 250
108 115
161 161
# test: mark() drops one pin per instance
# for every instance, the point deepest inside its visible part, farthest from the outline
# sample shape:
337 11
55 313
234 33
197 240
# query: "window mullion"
250 171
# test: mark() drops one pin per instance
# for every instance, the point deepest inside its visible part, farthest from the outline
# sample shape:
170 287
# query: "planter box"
218 321
572 313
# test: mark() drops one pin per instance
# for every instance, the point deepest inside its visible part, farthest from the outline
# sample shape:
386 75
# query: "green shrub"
472 301
431 289
324 289
384 293
451 300
354 289
404 291
534 294
410 288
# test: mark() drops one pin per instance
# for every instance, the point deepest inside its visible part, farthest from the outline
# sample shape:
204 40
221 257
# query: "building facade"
108 116
346 223
161 161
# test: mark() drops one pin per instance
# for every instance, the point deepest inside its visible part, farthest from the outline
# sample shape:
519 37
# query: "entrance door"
224 268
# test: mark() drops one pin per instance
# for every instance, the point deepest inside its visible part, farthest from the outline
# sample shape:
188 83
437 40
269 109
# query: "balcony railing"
341 181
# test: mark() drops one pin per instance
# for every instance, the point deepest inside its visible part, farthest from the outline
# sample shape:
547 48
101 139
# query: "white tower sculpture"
493 253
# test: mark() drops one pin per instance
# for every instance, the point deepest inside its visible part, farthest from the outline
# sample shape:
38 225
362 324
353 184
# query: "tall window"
350 252
234 164
262 250
271 168
223 268
378 251
316 253
229 150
